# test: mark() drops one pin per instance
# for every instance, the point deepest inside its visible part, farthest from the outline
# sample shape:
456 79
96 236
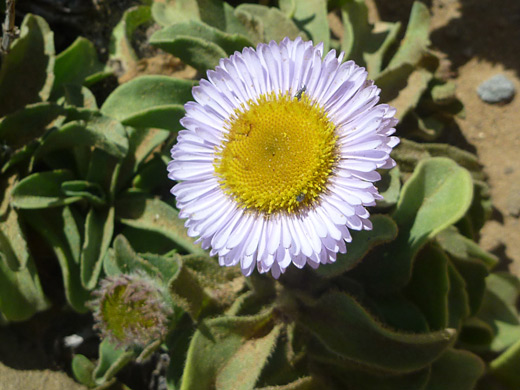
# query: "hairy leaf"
345 328
26 74
149 101
41 190
437 195
61 230
229 352
143 212
99 228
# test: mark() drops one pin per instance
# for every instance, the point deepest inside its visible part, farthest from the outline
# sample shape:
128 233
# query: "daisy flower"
279 155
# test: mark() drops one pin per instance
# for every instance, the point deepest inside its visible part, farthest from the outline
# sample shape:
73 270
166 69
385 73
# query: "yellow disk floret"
278 154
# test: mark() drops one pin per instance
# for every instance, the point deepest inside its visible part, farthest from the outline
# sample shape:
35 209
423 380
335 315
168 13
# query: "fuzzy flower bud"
131 310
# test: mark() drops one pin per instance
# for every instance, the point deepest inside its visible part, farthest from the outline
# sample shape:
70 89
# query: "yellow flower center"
278 154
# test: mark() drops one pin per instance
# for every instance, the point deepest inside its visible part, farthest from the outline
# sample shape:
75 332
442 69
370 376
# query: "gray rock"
497 89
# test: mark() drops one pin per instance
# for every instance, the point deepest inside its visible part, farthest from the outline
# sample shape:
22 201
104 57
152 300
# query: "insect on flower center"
278 154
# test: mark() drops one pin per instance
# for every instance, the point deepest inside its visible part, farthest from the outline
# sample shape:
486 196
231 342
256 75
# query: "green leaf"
229 352
437 195
150 177
416 38
462 157
384 230
21 295
389 187
348 330
477 333
399 313
78 96
352 377
505 367
128 261
83 368
111 361
147 241
26 74
98 131
222 284
103 169
120 49
141 143
311 17
458 299
166 38
462 247
474 274
267 23
75 65
99 228
198 44
215 13
360 41
403 86
455 370
149 101
167 266
21 127
499 309
13 243
175 11
143 212
188 293
41 190
87 190
429 285
62 232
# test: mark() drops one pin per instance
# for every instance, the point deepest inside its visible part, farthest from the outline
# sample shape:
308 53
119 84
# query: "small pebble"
497 89
509 170
73 341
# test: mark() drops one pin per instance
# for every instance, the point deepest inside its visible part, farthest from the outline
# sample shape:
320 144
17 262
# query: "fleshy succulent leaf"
42 190
221 347
99 228
384 230
311 17
455 370
29 64
437 195
416 39
21 295
345 328
149 101
83 368
111 361
98 131
143 212
268 23
62 231
429 285
505 366
76 65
